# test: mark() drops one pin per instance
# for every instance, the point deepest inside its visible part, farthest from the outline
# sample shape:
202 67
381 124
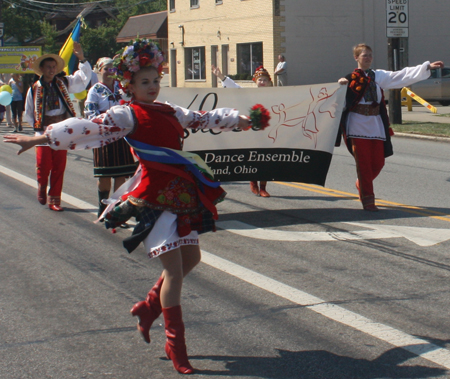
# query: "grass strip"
425 128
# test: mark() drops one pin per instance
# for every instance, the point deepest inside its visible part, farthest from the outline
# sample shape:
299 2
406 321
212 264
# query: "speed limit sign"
397 18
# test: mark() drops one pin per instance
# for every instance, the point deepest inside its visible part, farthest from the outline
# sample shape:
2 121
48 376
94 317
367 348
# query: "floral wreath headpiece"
261 71
139 54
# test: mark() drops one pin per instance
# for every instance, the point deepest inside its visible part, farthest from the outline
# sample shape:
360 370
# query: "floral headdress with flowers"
139 54
261 71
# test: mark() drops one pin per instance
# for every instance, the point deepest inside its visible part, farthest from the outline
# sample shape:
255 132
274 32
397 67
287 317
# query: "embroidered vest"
40 97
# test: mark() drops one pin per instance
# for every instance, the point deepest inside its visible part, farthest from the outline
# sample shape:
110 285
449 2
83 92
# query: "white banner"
297 145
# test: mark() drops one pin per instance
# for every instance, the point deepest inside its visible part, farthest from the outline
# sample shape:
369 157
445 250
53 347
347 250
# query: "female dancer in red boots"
171 197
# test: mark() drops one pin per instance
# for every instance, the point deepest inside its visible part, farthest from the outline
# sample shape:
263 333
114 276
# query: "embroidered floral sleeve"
91 105
78 134
91 110
225 119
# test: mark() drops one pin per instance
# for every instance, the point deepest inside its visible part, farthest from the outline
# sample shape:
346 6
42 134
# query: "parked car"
436 87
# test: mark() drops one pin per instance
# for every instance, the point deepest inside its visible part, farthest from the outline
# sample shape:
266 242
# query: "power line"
71 4
49 9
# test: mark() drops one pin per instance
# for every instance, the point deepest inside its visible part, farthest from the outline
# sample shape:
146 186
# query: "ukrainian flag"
66 51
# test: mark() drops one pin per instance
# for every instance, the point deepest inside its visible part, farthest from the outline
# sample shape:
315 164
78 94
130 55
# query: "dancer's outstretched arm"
25 142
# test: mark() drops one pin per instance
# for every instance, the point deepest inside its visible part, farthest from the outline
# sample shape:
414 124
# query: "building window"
195 3
195 63
172 5
250 56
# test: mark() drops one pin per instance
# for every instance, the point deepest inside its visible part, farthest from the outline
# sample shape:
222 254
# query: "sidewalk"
422 114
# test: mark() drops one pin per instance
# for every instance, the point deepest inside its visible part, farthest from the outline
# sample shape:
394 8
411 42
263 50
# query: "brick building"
235 35
315 36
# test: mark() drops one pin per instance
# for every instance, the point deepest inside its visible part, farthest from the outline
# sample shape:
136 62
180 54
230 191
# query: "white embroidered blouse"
78 134
371 127
100 98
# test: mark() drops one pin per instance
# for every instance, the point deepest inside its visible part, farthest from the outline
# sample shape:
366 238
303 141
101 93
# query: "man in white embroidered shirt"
48 102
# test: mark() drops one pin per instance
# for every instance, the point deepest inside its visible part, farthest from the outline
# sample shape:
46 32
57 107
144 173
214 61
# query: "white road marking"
336 313
420 236
80 204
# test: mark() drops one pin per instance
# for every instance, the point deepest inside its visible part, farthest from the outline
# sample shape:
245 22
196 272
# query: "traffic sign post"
397 26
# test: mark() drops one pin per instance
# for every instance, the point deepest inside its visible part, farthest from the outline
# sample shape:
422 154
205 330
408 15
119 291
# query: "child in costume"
171 195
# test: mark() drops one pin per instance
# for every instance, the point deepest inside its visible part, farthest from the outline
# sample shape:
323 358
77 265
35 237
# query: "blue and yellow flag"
66 51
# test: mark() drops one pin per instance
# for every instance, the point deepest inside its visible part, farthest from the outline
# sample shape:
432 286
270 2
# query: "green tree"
101 41
19 23
49 33
26 21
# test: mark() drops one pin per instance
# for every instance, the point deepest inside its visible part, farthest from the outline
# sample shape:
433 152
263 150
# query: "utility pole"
395 101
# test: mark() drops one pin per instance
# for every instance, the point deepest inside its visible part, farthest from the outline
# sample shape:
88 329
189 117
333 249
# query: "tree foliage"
97 41
49 33
101 41
22 24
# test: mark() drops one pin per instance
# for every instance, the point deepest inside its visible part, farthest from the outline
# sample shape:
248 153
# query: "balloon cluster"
5 95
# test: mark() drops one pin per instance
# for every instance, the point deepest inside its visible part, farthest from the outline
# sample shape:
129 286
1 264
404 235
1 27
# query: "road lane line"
397 338
419 235
64 196
385 203
336 313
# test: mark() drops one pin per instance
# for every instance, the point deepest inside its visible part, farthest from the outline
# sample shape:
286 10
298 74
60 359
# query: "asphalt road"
314 288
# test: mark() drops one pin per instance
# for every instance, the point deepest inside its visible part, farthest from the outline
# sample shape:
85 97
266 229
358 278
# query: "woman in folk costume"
171 195
262 79
115 159
365 122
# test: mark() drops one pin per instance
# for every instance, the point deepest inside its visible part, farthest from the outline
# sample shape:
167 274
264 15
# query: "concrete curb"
421 136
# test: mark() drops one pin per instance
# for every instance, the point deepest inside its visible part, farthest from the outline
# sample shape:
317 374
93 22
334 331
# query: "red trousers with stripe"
51 163
369 158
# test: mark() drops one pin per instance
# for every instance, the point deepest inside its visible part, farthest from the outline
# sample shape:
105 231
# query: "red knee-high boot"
176 345
148 310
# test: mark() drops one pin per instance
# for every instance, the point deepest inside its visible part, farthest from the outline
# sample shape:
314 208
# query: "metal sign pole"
397 24
395 100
